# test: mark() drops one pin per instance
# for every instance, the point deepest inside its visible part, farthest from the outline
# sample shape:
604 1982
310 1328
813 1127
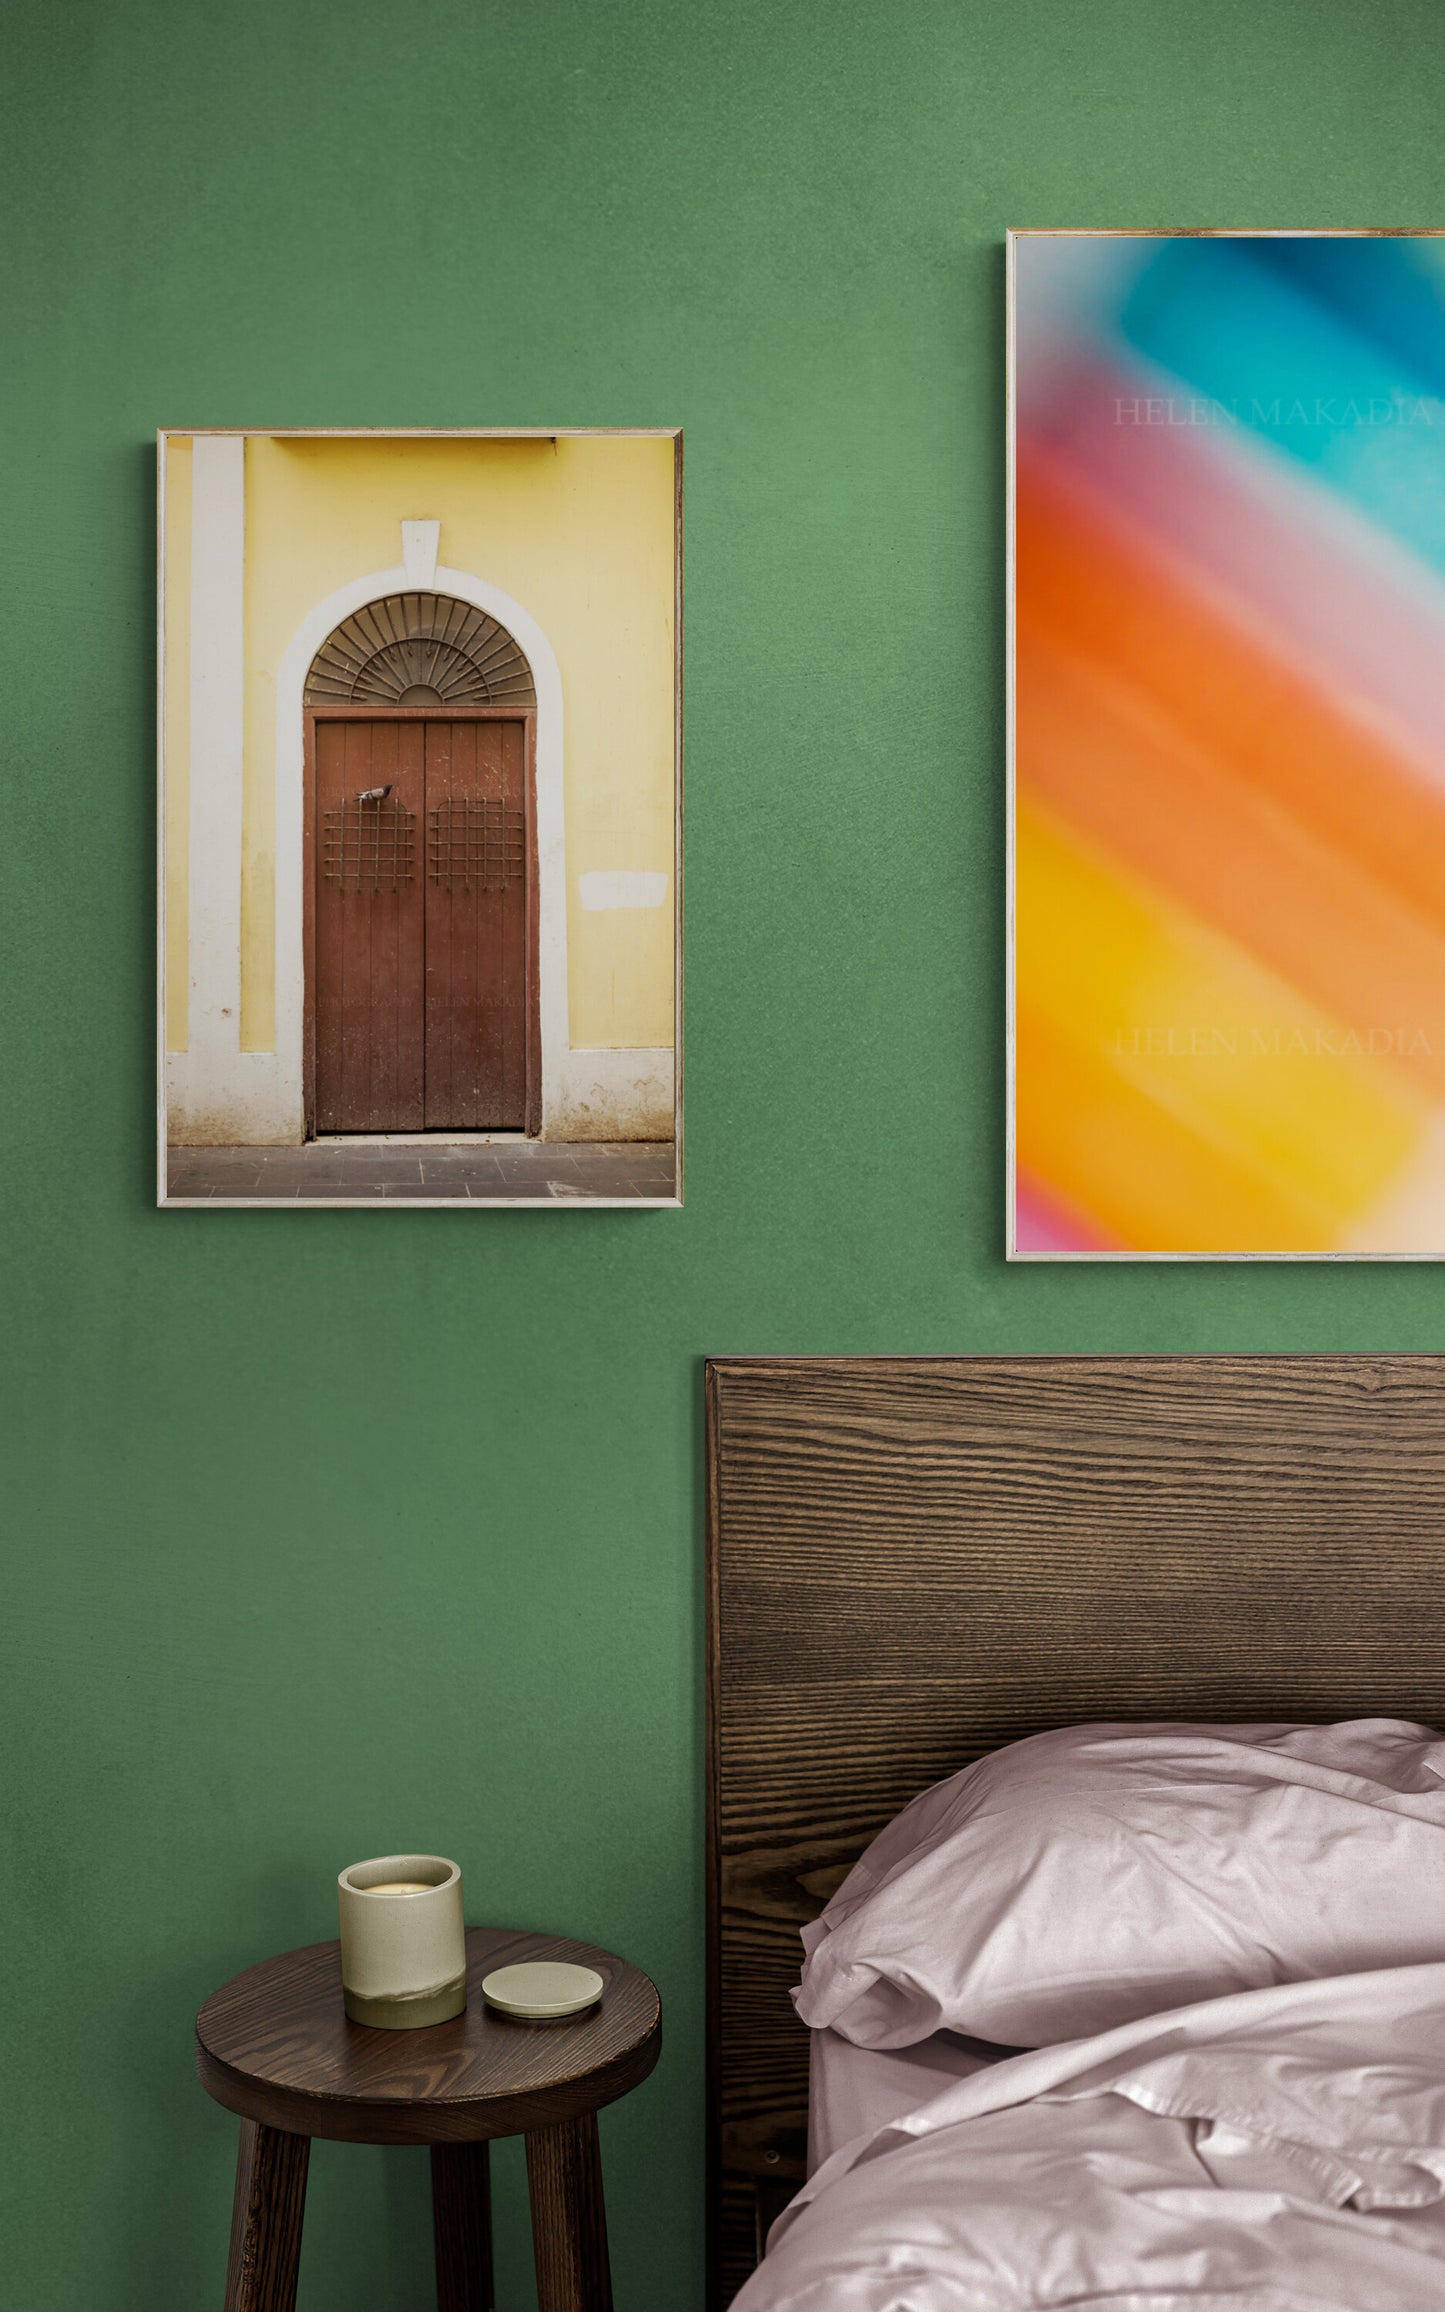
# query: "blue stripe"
1238 331
1387 290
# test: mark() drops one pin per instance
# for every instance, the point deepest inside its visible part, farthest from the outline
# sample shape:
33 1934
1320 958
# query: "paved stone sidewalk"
570 1172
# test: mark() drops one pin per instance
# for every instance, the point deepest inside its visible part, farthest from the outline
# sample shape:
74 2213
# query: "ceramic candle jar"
403 1943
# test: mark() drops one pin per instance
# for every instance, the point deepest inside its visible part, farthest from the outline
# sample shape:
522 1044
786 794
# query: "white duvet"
1278 2150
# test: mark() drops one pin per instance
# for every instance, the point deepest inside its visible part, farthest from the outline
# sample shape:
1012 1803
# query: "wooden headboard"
913 1560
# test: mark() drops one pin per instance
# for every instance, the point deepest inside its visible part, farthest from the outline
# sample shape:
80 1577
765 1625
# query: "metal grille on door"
368 844
475 844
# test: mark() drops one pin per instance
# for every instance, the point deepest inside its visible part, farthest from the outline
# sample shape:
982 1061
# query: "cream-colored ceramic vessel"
403 1953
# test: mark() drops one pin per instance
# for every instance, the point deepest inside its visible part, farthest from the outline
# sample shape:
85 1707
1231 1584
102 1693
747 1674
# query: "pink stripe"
1360 616
1043 1224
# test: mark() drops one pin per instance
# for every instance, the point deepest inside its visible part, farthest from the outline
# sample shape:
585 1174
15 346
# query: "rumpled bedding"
1276 2150
1080 1879
855 2090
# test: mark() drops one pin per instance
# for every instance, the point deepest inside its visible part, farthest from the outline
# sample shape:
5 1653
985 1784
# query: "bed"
915 1561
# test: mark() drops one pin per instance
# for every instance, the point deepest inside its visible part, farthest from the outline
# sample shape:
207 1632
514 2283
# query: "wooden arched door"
422 925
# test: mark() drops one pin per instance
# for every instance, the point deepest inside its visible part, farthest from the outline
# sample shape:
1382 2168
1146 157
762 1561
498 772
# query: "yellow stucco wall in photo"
176 708
581 532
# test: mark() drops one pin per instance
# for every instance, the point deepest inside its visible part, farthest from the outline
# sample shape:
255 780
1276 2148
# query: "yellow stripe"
1167 1085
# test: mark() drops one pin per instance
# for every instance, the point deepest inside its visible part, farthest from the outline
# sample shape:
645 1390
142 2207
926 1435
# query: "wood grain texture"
266 2219
461 2203
422 1001
369 944
912 1561
276 2045
476 937
569 2223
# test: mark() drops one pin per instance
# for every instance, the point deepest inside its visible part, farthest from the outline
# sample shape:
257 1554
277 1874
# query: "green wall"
353 1530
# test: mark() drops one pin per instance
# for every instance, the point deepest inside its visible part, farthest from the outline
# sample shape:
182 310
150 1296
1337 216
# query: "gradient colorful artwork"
1228 1007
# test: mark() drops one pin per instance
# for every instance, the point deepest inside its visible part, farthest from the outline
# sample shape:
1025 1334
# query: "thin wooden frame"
1013 237
534 1059
913 1560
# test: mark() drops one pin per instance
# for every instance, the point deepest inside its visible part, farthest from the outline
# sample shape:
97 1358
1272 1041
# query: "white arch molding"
320 621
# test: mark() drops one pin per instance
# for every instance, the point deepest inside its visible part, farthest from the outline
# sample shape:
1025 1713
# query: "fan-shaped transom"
420 650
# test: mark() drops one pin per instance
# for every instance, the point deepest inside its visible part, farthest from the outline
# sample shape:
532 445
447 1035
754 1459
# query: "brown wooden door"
370 978
476 925
420 974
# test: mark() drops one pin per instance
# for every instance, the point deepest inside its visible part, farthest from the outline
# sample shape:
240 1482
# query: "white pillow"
1084 1878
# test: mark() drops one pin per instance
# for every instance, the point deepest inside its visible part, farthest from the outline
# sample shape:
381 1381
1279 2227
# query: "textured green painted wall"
338 1532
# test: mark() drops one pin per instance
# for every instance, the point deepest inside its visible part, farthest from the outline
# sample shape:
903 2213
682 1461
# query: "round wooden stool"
276 2046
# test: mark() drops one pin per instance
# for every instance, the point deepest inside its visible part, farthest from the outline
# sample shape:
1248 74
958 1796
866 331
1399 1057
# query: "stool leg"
266 2218
569 2222
461 2212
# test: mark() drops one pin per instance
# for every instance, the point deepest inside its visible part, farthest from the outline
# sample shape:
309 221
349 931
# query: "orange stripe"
1094 588
1125 775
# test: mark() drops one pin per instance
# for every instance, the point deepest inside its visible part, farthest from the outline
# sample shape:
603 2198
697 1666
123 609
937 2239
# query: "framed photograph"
1227 746
420 817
